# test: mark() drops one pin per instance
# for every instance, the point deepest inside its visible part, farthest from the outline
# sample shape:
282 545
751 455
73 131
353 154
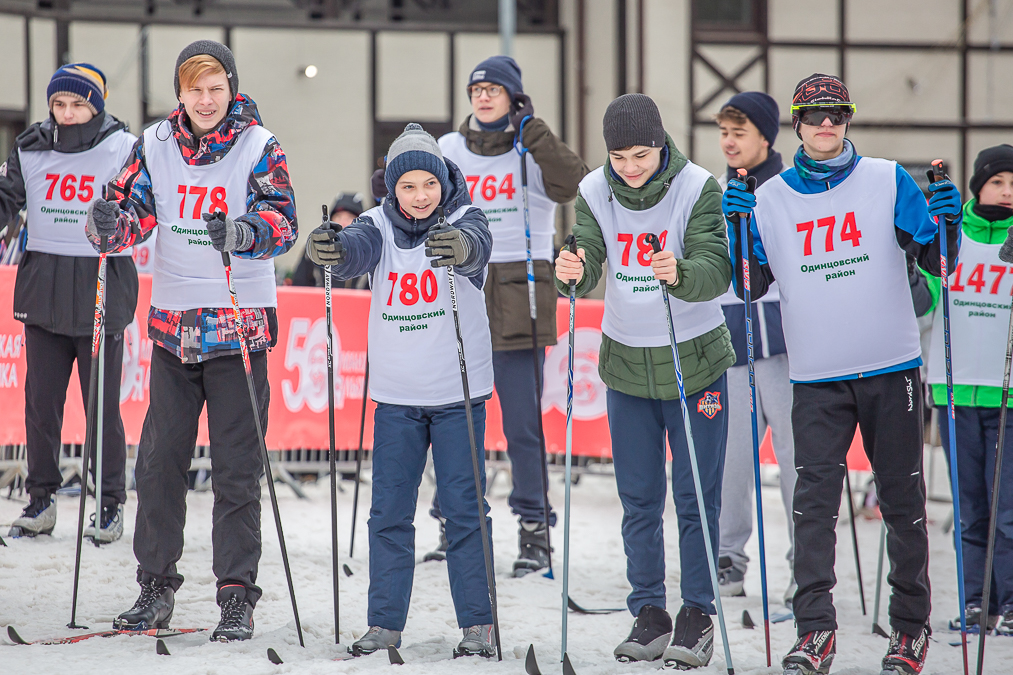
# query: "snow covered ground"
36 577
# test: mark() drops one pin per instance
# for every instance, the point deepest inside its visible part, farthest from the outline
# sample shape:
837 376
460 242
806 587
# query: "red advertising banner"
297 368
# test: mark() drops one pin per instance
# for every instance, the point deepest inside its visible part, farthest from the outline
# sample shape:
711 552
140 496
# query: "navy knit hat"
81 80
760 108
415 149
501 70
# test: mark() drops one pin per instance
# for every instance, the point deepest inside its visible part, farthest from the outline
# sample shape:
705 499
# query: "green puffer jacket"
984 232
703 274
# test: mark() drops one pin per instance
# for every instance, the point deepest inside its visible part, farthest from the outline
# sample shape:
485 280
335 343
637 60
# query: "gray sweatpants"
773 397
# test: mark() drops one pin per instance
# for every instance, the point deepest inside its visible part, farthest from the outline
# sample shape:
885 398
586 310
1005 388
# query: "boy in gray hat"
648 187
425 224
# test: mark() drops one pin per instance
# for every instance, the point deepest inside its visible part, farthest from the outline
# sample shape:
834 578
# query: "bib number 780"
411 289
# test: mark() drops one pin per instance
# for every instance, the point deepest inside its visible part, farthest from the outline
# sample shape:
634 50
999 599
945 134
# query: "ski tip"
747 621
161 649
15 638
394 656
273 657
347 570
878 630
567 667
531 663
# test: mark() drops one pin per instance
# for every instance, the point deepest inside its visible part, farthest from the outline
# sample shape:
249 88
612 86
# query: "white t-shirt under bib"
634 309
59 187
188 271
495 187
980 289
845 300
412 342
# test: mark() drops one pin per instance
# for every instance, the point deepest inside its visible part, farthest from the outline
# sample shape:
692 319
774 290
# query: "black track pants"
50 361
824 417
178 394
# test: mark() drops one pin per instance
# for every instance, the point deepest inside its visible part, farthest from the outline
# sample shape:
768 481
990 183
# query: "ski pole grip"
652 239
571 243
225 259
104 244
750 182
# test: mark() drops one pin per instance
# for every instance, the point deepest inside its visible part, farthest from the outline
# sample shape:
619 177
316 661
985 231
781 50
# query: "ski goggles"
814 115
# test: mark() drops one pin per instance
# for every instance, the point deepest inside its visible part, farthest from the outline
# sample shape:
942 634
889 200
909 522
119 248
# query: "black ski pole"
876 628
490 577
533 312
330 430
1006 255
358 458
244 348
97 337
571 244
854 537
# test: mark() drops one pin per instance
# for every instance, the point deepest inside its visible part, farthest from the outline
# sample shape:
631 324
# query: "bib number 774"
849 232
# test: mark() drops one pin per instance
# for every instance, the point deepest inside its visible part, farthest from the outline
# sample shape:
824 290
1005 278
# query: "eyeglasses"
493 90
815 115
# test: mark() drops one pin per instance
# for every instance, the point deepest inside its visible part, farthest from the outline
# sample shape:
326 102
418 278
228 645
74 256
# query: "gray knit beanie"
632 119
415 149
215 50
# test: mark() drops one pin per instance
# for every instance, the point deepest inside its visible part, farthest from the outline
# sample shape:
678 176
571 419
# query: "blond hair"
197 67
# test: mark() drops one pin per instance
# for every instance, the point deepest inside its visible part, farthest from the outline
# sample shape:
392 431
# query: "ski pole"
490 578
876 628
652 239
97 338
245 350
934 174
571 243
533 311
358 458
99 425
330 430
1006 255
854 537
747 292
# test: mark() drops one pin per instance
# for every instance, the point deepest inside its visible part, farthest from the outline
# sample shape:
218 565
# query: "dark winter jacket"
704 273
506 292
363 242
57 292
270 213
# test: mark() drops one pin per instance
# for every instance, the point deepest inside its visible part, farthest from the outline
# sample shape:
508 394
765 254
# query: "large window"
723 16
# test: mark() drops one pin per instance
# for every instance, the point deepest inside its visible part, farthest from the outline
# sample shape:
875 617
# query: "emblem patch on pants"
709 404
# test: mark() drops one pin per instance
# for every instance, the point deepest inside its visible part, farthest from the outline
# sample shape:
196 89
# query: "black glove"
228 235
522 106
324 247
448 245
102 217
376 184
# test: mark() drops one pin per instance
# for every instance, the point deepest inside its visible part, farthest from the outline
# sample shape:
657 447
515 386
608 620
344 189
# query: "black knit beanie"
989 162
215 50
632 119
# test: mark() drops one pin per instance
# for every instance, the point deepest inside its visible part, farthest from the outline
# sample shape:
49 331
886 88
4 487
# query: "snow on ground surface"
36 578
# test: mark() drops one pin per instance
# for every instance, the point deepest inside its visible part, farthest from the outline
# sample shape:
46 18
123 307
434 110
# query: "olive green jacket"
704 273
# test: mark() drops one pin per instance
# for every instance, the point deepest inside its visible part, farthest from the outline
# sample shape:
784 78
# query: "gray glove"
324 247
448 245
102 217
226 234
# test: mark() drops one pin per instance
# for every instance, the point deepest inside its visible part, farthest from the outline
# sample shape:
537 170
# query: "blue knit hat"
501 70
82 80
761 109
415 149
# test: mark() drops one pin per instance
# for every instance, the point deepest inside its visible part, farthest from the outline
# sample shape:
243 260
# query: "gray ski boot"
478 641
692 640
440 554
650 635
731 581
112 525
39 517
376 638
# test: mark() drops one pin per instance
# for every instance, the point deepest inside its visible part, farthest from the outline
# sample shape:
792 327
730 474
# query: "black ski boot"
1005 627
152 609
237 615
39 517
692 641
650 635
906 654
812 654
440 554
730 579
534 548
